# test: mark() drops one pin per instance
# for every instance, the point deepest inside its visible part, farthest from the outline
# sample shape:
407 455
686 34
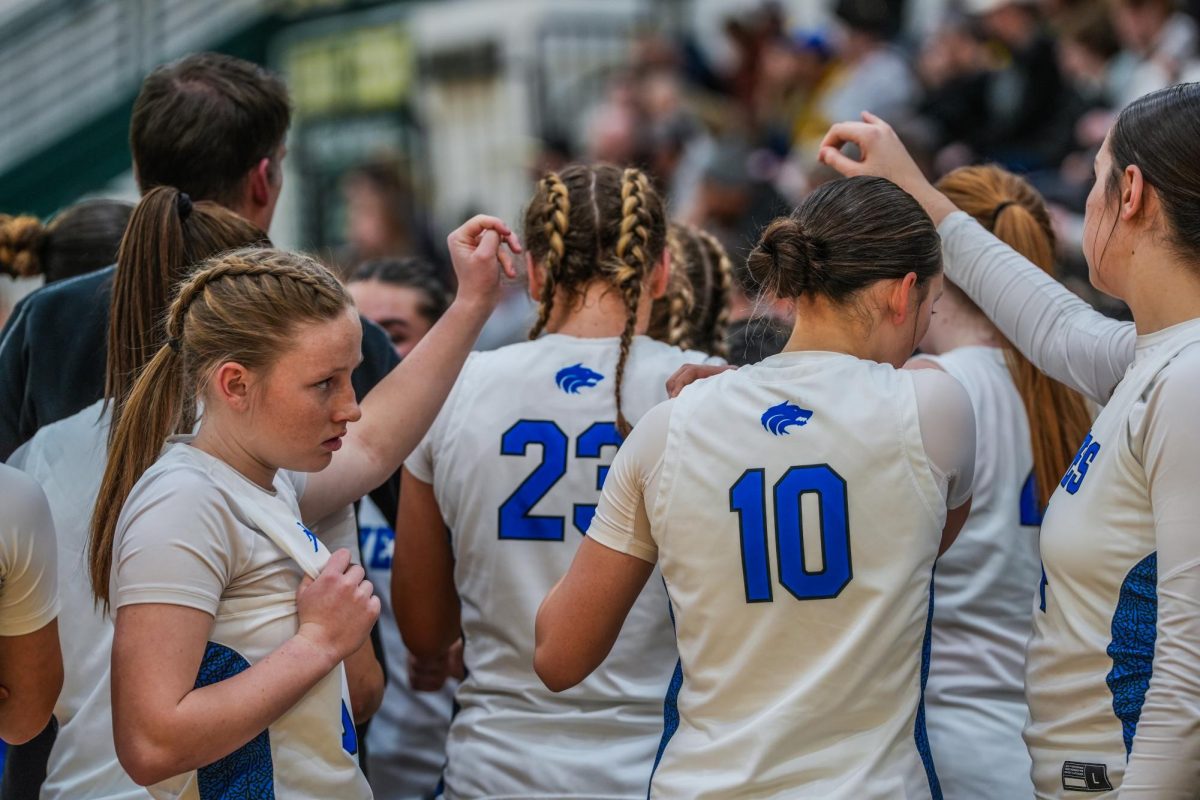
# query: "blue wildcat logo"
312 537
573 378
777 419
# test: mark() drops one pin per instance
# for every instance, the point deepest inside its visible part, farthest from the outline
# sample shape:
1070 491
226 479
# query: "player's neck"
824 326
598 313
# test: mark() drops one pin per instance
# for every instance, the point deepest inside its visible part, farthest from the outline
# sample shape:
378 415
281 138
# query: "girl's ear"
902 293
230 384
537 277
660 275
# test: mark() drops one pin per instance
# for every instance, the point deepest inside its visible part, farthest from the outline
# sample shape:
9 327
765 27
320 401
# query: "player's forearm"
211 722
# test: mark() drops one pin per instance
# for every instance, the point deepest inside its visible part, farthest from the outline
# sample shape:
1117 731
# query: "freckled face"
305 402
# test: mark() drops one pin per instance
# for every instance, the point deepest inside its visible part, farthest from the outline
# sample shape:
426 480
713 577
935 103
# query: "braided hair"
596 223
242 306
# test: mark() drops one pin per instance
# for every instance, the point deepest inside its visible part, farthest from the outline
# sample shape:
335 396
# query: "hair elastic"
999 208
175 344
183 204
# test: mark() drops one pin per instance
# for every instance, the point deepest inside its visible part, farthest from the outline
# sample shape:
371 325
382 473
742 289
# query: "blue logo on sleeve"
312 537
777 419
573 378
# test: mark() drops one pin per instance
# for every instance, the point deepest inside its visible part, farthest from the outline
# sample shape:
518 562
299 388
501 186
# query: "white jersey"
406 740
1121 553
1097 653
239 554
516 459
975 698
67 458
796 519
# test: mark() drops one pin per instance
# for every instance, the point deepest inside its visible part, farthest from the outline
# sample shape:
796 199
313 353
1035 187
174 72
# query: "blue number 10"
748 499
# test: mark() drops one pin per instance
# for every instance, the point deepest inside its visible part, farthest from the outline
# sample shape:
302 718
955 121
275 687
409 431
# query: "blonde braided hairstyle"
670 315
595 223
243 306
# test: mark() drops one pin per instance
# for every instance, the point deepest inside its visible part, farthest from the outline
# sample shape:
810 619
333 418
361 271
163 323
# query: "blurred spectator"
1159 43
870 72
1029 121
382 219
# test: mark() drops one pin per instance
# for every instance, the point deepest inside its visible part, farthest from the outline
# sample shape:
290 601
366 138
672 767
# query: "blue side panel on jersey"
1134 630
349 735
1031 510
670 716
3 756
247 773
919 732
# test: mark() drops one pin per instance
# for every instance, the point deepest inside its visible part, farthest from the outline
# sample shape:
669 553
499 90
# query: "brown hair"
202 122
845 236
596 223
167 235
711 274
243 306
1011 209
79 239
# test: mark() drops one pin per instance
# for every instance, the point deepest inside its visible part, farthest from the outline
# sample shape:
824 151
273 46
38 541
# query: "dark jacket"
53 353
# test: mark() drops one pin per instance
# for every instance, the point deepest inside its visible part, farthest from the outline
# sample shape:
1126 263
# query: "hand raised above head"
477 248
882 155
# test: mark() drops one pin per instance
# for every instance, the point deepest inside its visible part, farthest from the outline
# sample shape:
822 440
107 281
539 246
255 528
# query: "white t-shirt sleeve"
28 556
947 431
621 521
175 547
1165 761
1061 334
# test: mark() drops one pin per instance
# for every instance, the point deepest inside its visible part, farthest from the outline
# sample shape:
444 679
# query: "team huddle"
940 546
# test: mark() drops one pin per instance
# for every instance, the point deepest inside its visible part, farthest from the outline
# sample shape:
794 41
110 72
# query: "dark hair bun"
786 261
21 240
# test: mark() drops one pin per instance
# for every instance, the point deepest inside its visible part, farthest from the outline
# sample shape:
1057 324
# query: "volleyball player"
225 678
795 507
1027 429
1111 674
497 499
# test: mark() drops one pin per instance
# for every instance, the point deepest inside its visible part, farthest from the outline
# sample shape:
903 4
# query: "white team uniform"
1111 677
1093 652
406 740
195 532
516 459
975 698
67 458
795 510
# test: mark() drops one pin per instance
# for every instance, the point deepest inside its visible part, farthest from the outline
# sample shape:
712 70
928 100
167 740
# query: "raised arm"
401 407
1058 332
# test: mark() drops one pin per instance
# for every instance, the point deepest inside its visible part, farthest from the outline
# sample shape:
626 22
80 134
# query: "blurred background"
410 116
